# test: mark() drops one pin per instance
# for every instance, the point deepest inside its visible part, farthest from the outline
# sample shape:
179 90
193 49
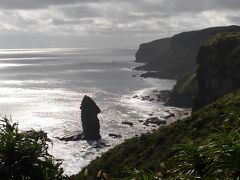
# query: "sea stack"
90 121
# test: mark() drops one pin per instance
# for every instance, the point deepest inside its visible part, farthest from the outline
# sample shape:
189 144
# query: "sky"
107 23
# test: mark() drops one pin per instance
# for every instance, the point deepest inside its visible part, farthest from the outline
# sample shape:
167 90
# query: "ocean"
43 89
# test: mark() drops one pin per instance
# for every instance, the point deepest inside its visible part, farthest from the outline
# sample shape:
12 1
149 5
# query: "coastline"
167 114
160 96
149 123
152 121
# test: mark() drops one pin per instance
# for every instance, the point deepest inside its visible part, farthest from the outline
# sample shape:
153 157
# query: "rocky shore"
162 96
153 119
155 96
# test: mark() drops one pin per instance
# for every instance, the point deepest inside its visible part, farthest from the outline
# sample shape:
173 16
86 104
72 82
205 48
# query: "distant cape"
175 57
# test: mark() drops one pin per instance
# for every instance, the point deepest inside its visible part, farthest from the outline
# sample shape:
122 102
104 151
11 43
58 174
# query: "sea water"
43 89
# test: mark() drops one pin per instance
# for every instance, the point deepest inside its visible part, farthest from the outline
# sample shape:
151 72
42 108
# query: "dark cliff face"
218 72
151 51
176 56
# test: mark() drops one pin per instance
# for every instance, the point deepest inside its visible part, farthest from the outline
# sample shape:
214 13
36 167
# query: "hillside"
152 149
176 56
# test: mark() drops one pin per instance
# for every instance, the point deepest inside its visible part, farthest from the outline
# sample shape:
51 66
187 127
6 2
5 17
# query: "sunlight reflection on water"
47 93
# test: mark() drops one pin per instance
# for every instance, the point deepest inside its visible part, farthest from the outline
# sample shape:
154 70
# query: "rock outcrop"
218 72
175 57
90 121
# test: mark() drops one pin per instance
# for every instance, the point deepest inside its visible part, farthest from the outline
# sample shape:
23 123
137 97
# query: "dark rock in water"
127 123
73 138
135 96
79 137
170 115
154 120
118 136
156 96
144 98
90 121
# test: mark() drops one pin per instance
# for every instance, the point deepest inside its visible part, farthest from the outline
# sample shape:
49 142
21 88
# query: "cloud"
132 20
176 6
81 11
40 4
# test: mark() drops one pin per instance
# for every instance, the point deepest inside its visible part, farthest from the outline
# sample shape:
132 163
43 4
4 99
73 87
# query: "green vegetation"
183 91
216 157
23 155
223 37
186 85
197 146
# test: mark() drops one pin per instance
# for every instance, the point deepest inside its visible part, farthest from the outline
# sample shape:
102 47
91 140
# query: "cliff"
149 51
176 56
218 71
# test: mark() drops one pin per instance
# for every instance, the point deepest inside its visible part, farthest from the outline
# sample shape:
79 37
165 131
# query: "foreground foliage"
24 155
217 158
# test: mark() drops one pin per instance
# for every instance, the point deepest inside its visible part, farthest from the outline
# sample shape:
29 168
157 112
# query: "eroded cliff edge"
175 57
218 71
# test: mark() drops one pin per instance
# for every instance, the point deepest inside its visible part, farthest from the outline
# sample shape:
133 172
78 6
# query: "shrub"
24 155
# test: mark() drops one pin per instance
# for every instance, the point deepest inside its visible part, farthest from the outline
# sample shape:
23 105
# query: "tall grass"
215 157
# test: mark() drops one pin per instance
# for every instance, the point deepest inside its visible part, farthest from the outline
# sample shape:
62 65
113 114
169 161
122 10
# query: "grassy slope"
183 91
149 150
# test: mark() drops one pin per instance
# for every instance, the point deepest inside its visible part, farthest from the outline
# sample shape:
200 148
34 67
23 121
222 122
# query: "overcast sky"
106 23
